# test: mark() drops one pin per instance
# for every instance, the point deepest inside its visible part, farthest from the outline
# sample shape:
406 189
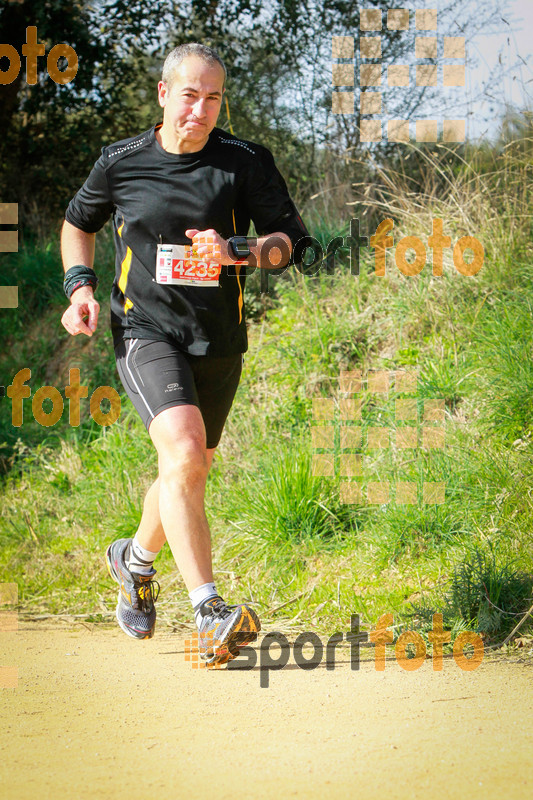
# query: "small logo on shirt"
173 387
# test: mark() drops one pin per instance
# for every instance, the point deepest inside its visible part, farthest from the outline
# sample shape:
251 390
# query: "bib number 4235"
175 265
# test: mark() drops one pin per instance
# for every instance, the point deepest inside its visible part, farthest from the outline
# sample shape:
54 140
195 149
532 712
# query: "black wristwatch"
239 246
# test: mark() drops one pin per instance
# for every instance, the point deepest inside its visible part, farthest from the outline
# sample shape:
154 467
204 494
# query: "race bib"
176 264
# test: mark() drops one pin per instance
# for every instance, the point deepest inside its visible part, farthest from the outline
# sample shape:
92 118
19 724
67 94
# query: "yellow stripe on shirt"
124 270
238 271
123 280
240 300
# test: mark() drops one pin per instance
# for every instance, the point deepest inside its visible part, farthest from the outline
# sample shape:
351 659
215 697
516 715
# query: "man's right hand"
83 307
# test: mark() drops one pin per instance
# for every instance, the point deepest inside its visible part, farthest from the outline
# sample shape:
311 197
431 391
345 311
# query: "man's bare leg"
178 434
150 532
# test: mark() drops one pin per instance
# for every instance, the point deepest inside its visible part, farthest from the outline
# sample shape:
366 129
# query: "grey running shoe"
135 610
223 629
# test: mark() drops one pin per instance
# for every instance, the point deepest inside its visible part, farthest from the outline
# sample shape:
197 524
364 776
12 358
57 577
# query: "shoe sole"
130 631
235 639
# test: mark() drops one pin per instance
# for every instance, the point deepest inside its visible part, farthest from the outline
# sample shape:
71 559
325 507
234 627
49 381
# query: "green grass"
286 506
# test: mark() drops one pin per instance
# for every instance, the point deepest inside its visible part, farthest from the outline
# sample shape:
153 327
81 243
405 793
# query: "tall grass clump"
286 506
487 594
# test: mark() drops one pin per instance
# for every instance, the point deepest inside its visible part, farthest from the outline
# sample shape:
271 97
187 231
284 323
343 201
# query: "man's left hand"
209 245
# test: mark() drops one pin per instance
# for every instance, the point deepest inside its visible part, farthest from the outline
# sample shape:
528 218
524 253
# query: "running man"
178 324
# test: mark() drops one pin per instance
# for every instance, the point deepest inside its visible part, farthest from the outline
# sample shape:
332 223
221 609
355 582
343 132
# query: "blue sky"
503 52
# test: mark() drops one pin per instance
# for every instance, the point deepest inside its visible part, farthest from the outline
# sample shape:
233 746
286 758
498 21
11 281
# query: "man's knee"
184 462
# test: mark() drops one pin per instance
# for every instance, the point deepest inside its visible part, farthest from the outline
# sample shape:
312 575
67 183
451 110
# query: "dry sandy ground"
98 715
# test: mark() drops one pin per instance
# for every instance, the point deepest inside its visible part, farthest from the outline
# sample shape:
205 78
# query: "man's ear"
162 93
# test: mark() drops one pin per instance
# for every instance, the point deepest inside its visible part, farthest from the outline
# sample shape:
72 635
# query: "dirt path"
97 715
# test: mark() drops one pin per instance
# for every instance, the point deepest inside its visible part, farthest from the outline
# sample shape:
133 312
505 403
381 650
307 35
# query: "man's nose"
199 108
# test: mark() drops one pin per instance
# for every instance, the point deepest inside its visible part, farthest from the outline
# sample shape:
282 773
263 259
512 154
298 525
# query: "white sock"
140 559
200 595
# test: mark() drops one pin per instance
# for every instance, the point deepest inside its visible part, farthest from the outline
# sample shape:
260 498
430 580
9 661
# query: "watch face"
239 245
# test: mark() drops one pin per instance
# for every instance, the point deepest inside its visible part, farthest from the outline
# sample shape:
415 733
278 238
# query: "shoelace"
221 610
145 593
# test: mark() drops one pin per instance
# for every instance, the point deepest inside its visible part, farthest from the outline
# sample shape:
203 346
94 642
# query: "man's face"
192 104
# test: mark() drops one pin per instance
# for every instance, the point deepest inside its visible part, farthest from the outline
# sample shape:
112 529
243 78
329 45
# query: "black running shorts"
156 375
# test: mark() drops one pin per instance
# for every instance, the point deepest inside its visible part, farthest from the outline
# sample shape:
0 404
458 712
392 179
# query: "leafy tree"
279 88
51 132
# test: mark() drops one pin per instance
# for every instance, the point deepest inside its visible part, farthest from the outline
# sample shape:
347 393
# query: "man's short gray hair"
183 51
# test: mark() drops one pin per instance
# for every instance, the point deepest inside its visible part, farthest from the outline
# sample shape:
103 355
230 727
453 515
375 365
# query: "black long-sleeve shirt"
154 197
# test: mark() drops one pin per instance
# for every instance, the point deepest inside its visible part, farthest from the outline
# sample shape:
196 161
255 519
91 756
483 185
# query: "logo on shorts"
173 387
